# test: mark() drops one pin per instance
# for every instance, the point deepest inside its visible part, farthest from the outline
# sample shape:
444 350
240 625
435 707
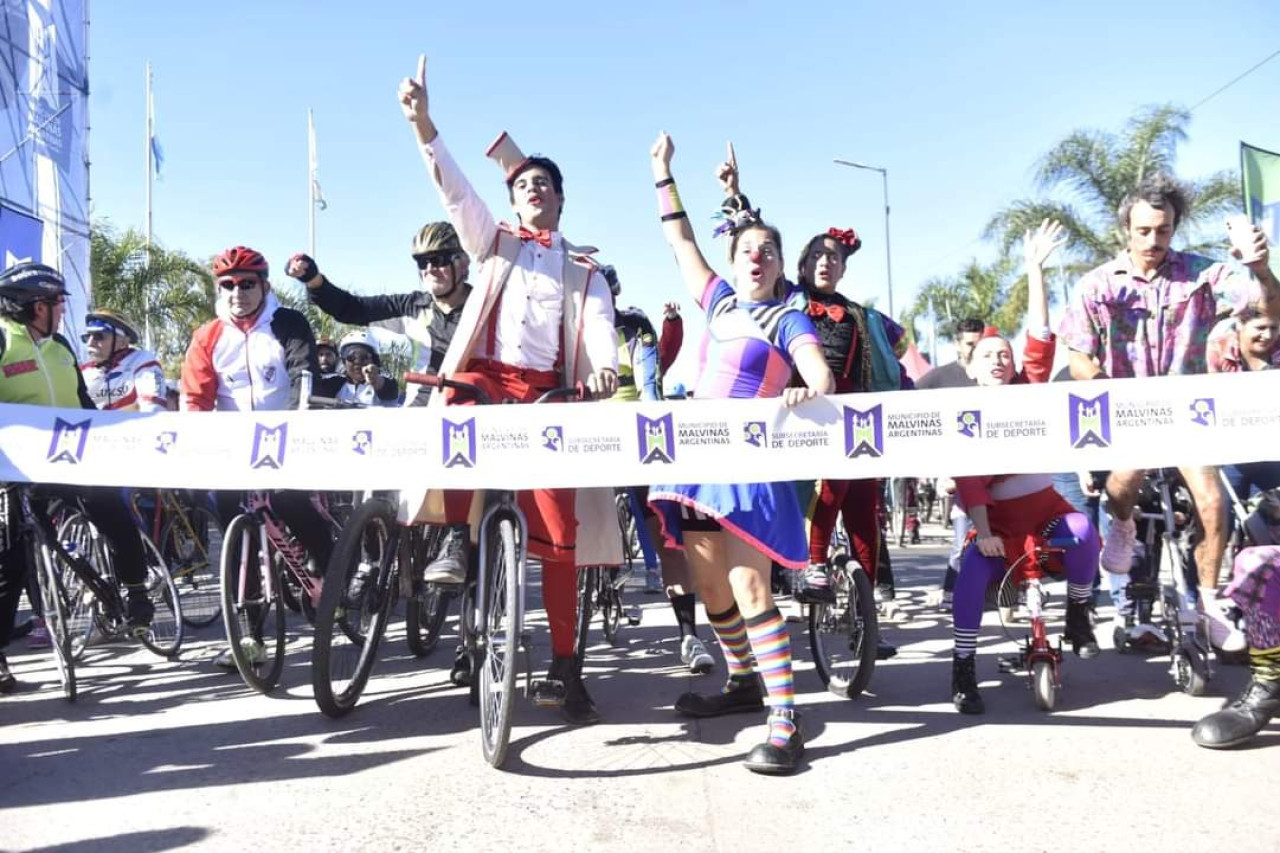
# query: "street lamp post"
884 175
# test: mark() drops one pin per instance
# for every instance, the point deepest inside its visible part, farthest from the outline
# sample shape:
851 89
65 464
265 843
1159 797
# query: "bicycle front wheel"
588 582
501 639
165 635
353 607
191 545
252 613
57 617
843 636
83 608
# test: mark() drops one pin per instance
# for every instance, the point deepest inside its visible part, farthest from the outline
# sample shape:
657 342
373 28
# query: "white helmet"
359 339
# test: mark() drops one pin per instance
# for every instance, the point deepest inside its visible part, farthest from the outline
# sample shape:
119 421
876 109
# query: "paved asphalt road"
167 756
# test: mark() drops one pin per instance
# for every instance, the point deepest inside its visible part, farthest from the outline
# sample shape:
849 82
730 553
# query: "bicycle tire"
588 583
502 638
165 634
843 637
83 616
353 607
424 618
609 599
191 545
1043 690
260 619
55 609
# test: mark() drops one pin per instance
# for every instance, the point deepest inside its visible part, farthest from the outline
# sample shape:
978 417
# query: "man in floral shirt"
1149 313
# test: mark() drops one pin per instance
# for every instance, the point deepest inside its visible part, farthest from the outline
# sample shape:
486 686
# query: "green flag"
1260 174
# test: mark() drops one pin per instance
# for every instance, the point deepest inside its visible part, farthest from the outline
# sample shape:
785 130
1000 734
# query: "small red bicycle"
1039 658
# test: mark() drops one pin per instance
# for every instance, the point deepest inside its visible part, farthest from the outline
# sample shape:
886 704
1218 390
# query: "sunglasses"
93 337
242 284
358 359
428 260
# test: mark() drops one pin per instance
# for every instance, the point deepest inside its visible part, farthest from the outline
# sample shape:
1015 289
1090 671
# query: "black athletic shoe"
743 694
140 611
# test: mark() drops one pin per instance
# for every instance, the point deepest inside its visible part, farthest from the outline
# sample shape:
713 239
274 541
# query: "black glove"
301 267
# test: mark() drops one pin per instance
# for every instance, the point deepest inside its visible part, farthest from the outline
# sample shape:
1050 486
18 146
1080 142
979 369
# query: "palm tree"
1088 174
986 291
156 287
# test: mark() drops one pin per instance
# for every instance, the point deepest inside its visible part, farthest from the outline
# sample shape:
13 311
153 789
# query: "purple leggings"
978 572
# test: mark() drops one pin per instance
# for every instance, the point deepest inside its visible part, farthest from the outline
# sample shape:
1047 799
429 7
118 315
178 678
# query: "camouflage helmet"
436 237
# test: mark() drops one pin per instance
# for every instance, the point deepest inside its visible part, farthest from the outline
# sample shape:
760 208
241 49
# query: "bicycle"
189 536
78 599
1164 572
844 636
493 606
1037 657
259 553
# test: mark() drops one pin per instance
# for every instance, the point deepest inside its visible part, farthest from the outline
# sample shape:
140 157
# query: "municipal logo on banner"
1090 419
268 446
969 424
362 442
863 432
459 441
1204 412
657 439
553 438
755 433
165 441
68 441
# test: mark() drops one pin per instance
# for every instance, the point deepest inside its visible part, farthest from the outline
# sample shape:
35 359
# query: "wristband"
665 182
669 204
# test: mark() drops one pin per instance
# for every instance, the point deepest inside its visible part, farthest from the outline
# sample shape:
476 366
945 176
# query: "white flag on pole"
317 198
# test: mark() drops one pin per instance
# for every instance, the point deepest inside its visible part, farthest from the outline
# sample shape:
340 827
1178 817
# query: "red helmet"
240 259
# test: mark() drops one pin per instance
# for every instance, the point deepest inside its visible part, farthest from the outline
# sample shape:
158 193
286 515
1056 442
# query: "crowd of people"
542 313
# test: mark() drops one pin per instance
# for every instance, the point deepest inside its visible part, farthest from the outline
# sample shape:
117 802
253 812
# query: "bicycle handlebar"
315 402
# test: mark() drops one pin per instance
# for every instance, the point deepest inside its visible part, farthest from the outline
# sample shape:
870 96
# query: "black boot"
576 706
742 693
1079 630
964 686
778 760
1237 723
8 683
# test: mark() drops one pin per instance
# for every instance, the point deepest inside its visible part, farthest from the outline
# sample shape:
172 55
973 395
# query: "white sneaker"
1117 551
694 655
254 650
1223 633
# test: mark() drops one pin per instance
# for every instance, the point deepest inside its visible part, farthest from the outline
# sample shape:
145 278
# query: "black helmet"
30 282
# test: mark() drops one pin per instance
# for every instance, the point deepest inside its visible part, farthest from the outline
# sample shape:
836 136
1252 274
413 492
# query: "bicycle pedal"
547 693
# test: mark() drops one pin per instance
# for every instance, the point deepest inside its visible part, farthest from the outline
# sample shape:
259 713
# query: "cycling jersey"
639 377
42 373
130 380
256 364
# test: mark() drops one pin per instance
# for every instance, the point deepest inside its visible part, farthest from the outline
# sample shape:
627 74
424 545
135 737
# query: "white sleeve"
149 384
599 337
469 215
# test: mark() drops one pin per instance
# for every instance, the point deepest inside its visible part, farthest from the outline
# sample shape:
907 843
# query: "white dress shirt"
532 306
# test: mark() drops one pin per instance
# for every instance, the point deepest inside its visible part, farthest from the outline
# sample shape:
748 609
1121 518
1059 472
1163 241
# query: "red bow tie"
835 312
542 237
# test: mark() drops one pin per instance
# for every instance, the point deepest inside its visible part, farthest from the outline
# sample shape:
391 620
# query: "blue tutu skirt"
764 515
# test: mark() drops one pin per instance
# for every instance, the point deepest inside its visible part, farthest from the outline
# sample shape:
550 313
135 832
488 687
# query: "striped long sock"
771 643
732 634
1079 591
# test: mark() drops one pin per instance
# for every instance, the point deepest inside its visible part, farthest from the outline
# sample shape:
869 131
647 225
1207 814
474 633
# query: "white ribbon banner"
1074 426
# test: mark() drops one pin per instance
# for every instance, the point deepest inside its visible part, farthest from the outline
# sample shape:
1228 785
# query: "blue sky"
956 102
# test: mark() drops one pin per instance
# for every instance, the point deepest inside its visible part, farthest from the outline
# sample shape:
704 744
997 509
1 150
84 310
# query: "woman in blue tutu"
731 533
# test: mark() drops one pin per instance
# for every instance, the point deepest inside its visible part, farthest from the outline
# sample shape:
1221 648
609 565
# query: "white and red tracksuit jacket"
256 363
131 380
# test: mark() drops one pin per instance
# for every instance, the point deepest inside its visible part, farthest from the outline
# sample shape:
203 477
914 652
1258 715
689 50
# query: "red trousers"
552 522
859 501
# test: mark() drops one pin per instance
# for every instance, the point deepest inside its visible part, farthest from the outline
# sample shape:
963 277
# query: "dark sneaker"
742 694
815 586
776 760
964 686
139 610
1237 723
460 673
450 566
1079 631
884 651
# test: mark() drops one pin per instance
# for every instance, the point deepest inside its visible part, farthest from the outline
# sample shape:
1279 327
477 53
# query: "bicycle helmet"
359 339
28 282
104 320
436 237
240 259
